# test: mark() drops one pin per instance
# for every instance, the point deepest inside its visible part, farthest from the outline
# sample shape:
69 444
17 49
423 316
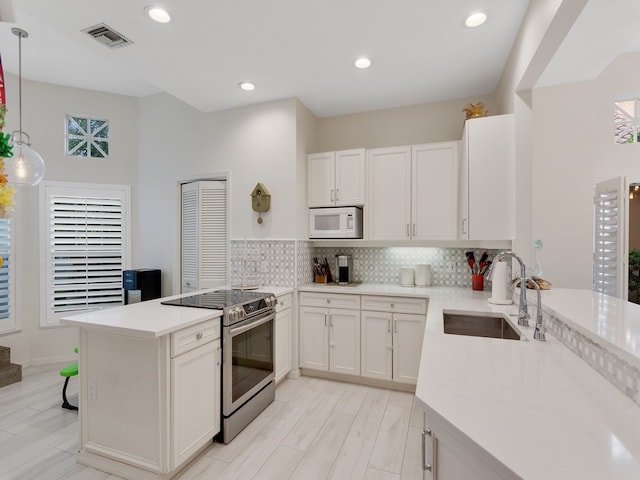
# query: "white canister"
423 275
406 276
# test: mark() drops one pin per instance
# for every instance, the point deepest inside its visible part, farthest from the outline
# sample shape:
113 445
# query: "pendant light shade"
26 166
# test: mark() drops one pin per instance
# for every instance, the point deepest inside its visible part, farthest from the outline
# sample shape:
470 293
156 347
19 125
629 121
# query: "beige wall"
425 123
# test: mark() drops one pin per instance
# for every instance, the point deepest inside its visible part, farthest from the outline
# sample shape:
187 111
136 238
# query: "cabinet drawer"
379 303
192 337
284 302
331 300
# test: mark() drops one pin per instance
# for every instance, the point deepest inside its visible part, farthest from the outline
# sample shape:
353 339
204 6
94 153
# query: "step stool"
68 372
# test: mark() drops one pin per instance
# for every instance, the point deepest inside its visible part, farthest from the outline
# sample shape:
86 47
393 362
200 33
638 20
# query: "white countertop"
151 318
534 406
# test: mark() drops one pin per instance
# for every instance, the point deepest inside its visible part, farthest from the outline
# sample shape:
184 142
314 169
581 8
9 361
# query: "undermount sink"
480 325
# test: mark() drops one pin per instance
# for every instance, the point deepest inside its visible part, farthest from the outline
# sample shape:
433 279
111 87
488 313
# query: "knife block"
320 279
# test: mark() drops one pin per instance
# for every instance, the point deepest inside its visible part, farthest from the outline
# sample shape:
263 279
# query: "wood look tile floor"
315 430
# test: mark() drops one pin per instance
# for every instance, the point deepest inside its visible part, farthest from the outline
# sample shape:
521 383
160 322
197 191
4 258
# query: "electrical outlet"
452 266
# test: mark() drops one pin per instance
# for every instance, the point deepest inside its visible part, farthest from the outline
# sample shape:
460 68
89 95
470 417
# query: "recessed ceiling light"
248 86
158 14
362 63
476 19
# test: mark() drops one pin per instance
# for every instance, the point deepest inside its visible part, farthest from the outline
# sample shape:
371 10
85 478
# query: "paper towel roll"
499 285
423 275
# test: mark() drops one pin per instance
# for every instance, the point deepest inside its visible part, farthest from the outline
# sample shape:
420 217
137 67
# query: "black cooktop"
218 300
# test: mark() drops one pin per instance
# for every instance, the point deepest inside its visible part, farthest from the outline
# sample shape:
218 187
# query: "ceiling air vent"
108 36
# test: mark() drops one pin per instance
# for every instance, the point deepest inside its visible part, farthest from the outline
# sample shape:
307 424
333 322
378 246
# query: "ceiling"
298 48
289 48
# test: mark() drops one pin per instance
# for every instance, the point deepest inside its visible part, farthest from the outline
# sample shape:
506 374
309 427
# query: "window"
86 243
8 321
626 121
87 137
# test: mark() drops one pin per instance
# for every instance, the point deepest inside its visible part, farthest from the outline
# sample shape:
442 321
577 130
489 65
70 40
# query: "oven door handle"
239 330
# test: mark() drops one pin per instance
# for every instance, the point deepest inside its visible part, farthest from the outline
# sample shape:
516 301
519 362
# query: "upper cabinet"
336 179
487 176
412 192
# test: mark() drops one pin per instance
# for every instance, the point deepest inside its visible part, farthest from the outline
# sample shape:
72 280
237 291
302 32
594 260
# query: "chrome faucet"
538 333
523 314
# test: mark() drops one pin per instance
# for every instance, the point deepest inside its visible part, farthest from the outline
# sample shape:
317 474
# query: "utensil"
470 260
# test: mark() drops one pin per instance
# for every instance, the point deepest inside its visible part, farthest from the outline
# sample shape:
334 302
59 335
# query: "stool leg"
65 402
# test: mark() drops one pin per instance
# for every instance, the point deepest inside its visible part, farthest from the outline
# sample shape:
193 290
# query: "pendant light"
26 166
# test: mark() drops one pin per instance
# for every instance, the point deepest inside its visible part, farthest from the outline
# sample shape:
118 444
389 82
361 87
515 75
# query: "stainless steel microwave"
337 222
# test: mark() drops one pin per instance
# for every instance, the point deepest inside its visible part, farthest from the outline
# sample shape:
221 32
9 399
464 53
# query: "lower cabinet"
195 399
283 337
446 457
391 345
148 404
330 339
382 341
392 331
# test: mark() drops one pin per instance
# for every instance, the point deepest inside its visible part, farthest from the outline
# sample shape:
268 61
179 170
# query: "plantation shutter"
86 249
7 312
609 257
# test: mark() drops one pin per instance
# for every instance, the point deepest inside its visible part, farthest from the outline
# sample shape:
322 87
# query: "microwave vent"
108 36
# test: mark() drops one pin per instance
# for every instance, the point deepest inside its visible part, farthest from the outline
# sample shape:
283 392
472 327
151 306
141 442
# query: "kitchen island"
149 386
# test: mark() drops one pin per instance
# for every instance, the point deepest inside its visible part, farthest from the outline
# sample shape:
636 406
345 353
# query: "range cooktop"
219 299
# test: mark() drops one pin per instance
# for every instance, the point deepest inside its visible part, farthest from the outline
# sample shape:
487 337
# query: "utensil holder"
320 279
477 282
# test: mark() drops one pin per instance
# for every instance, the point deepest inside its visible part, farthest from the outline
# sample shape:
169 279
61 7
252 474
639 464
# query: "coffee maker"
345 269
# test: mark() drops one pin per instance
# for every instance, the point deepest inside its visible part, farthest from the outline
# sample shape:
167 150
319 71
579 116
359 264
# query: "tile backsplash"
288 263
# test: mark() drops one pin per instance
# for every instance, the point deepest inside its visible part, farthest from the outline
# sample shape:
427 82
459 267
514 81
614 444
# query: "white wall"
251 144
44 109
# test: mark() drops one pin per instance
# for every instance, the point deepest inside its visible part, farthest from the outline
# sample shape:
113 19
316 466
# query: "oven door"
248 360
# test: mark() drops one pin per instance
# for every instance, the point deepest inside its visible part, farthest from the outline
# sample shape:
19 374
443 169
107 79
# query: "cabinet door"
344 341
491 177
283 343
408 331
350 178
195 400
377 345
321 179
434 191
314 338
389 193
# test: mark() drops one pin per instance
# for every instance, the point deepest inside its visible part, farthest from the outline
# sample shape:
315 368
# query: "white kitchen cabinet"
391 339
195 397
487 179
336 179
412 192
330 337
447 456
283 336
148 404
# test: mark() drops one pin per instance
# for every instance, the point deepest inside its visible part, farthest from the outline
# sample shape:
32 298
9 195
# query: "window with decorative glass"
626 121
87 137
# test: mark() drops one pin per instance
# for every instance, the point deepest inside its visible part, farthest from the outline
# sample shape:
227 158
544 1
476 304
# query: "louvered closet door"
204 235
609 256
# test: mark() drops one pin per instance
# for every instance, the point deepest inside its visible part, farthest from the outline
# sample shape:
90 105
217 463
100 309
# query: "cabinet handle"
408 234
332 196
325 320
464 226
389 326
199 336
337 194
414 230
218 356
331 320
427 466
395 326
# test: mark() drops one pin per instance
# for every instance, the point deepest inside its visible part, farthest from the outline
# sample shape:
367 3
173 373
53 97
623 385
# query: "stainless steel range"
248 335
